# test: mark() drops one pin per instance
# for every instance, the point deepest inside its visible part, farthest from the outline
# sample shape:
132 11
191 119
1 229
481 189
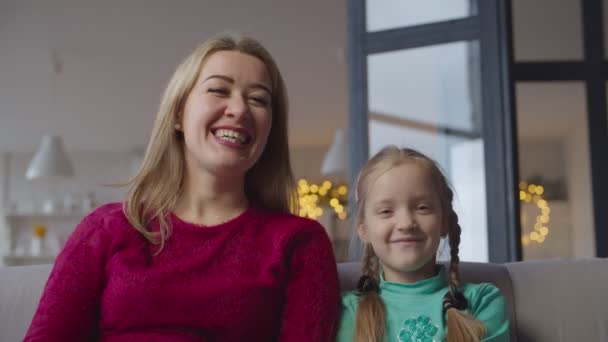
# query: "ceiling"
117 56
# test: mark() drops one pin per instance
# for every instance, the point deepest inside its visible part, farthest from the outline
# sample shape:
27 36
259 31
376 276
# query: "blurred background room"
508 96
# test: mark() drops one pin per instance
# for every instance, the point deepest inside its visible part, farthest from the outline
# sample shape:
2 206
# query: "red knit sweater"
258 277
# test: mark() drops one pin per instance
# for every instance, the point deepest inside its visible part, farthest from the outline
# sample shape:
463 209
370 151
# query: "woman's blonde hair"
155 189
460 325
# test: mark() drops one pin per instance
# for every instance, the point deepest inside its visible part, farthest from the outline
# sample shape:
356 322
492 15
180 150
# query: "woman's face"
227 116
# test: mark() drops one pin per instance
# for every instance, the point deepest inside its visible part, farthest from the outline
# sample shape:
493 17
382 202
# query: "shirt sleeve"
489 306
312 299
346 328
69 306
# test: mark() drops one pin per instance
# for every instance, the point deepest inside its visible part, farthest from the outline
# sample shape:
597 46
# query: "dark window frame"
491 28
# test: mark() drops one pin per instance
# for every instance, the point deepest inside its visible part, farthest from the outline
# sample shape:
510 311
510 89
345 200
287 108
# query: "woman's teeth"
232 136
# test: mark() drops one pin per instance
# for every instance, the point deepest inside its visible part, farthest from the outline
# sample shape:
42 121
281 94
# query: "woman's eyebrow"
230 80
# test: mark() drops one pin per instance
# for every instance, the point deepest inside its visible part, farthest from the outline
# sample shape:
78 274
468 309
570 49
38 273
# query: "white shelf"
16 230
42 215
15 260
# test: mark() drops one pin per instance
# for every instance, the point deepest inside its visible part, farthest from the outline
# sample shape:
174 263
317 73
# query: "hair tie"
454 301
367 284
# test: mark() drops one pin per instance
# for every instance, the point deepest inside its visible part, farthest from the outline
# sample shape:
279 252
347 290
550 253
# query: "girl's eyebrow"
385 201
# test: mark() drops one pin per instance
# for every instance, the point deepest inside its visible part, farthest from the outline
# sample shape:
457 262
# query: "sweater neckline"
235 221
426 286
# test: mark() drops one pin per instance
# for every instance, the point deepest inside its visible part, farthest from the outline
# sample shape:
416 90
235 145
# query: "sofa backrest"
561 300
549 300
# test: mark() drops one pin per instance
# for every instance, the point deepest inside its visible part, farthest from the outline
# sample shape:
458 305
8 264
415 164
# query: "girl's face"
228 114
403 222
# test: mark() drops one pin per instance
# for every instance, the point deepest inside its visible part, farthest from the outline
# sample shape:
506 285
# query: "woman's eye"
219 91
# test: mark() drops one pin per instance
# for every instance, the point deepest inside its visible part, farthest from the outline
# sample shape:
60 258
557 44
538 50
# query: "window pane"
428 99
555 176
388 14
430 85
547 30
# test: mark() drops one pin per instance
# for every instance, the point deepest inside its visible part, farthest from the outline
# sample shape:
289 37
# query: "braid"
462 327
454 241
371 264
371 313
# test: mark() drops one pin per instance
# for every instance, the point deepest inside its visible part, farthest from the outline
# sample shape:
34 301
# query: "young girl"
404 209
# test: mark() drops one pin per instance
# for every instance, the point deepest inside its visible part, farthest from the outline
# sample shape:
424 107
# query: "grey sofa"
554 300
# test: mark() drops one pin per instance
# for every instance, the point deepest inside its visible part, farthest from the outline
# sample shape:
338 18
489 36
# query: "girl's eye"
260 101
424 207
385 212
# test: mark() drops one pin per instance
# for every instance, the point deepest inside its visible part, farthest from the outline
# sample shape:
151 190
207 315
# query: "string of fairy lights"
313 198
533 193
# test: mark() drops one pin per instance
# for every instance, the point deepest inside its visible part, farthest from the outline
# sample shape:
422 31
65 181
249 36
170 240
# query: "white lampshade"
335 163
50 160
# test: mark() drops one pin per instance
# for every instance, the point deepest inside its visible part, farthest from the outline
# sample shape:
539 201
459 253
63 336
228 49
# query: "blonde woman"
204 248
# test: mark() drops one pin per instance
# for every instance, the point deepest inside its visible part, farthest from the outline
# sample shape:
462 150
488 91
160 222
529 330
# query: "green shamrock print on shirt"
420 329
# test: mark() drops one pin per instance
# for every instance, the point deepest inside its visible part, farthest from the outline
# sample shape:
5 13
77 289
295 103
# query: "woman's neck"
209 200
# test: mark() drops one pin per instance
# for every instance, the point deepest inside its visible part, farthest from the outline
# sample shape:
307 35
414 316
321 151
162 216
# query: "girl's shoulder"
483 295
350 300
480 289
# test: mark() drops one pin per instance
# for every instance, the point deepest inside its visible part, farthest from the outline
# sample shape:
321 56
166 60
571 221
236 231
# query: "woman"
204 247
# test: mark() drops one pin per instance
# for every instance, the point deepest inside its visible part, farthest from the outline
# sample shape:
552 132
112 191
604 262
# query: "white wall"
579 190
117 57
306 161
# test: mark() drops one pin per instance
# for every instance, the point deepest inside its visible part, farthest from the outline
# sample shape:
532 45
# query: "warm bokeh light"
314 197
532 193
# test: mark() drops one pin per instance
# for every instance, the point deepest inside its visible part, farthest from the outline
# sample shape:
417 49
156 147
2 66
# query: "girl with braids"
404 209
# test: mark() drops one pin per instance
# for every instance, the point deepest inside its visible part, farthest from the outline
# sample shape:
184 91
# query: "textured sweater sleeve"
69 306
489 306
312 298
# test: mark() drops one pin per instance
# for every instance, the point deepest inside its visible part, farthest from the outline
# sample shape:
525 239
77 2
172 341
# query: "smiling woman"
205 247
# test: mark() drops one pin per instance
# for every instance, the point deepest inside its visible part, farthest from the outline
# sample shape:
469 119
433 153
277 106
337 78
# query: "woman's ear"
178 123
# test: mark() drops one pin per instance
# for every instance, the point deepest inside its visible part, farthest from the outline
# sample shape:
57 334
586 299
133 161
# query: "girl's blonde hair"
371 312
155 189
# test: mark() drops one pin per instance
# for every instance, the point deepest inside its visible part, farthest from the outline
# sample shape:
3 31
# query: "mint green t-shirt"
414 311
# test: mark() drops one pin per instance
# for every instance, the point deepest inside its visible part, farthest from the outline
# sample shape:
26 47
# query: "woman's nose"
237 107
